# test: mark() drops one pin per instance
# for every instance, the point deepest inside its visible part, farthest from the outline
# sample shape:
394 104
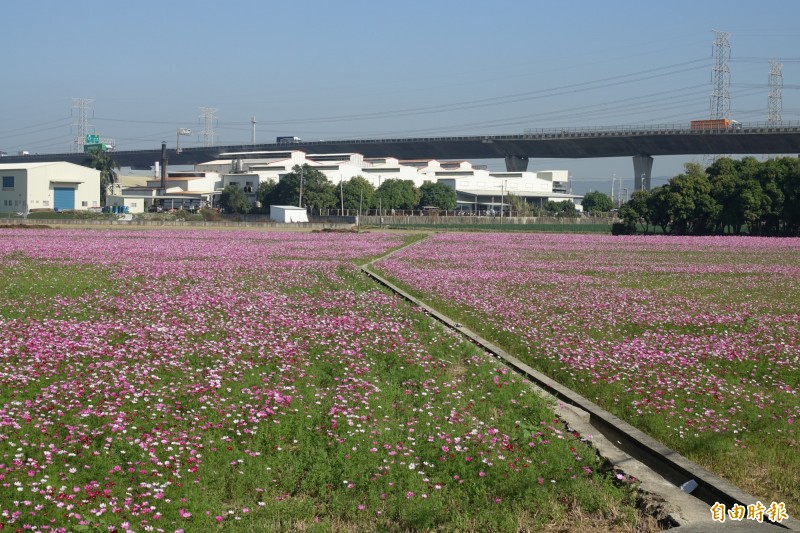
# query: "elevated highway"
641 143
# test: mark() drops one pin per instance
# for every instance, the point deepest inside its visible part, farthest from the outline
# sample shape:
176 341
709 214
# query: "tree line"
358 194
319 193
728 197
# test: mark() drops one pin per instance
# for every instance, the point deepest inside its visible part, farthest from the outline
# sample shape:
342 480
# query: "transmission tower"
208 130
82 105
721 98
775 100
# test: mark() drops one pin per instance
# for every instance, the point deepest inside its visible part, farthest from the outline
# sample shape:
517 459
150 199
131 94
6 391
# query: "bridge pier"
642 168
516 163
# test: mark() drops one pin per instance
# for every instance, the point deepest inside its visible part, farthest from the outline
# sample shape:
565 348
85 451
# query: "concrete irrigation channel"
679 492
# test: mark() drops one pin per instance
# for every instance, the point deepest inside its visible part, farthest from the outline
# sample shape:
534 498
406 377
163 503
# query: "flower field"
696 341
249 381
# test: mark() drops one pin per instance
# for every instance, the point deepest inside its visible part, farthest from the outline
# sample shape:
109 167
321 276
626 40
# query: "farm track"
661 470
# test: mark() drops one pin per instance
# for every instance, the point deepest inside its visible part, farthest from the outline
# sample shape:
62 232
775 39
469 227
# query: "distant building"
477 188
184 190
481 190
288 213
58 185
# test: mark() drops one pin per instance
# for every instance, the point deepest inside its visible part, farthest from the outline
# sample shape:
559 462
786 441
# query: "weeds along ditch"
248 381
695 341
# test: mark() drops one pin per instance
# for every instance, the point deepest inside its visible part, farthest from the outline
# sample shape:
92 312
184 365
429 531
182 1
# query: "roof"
537 194
257 152
333 155
26 166
289 207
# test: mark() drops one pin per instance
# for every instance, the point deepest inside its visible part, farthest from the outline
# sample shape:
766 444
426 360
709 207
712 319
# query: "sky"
356 69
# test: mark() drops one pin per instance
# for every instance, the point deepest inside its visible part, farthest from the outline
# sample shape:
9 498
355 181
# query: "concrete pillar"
516 163
642 167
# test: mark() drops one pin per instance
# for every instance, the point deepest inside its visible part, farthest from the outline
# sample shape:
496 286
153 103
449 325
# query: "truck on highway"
715 124
287 140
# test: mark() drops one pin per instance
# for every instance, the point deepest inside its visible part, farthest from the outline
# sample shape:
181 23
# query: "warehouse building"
57 185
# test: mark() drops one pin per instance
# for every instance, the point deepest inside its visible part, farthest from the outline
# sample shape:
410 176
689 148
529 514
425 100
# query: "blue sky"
359 69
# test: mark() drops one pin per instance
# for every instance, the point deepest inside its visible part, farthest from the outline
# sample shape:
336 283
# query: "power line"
19 132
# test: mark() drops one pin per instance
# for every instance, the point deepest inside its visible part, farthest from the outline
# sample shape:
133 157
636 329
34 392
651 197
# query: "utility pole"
253 122
502 195
300 202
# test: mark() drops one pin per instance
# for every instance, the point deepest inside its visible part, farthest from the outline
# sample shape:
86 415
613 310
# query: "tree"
519 206
358 193
437 195
658 207
396 194
234 200
262 194
565 208
770 176
99 159
596 202
318 193
635 211
790 215
685 203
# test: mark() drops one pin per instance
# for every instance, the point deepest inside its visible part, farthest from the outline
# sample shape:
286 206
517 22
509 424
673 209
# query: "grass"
288 393
695 346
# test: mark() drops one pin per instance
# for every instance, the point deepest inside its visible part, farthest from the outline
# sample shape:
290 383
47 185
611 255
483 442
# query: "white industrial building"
480 189
477 188
57 185
184 190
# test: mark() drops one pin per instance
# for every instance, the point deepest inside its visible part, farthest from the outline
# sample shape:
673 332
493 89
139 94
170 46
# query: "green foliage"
234 200
397 194
358 193
317 192
692 209
99 159
763 197
262 194
210 215
636 211
596 202
519 207
437 195
564 208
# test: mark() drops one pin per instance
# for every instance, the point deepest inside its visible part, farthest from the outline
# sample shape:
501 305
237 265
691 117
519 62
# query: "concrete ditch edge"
661 470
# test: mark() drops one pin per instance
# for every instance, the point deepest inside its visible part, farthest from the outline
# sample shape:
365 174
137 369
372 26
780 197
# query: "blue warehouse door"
64 198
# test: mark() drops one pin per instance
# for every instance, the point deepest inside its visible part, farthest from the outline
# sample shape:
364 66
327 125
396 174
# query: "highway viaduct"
641 143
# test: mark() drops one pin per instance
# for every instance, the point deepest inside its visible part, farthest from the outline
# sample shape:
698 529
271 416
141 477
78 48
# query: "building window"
84 204
46 203
133 204
8 183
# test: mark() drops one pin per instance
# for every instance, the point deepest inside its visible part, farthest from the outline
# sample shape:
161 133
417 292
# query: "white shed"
56 185
288 213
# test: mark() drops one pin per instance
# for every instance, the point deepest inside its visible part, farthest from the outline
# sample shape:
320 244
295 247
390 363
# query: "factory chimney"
164 165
